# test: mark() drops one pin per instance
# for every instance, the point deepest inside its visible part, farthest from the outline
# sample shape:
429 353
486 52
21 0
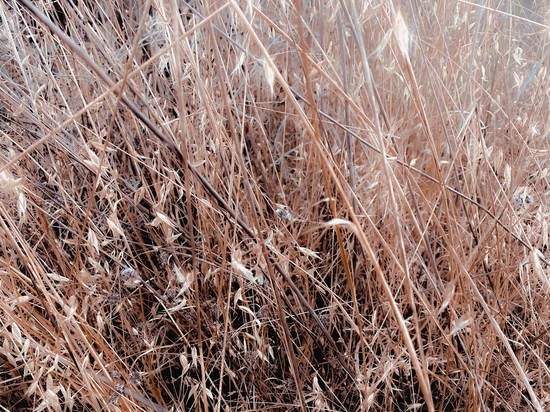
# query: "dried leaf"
185 279
16 333
243 271
114 225
269 75
402 34
309 252
448 295
537 268
22 204
238 296
8 182
92 240
162 218
461 324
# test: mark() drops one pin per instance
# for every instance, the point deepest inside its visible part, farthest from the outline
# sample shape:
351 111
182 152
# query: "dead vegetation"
220 206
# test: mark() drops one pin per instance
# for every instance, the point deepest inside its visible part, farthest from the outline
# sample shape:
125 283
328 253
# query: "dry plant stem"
34 269
298 96
280 269
250 232
494 217
356 109
349 141
223 204
112 85
146 332
257 227
245 227
455 315
467 94
84 56
420 366
176 151
494 322
374 96
359 112
134 109
86 214
362 237
190 224
202 92
437 288
36 280
504 339
326 181
434 180
103 155
107 379
314 121
226 318
514 16
422 230
44 139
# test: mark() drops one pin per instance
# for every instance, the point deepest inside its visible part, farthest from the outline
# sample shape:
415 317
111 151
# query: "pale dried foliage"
384 162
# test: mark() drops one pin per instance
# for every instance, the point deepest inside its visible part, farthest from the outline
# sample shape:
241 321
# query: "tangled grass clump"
267 205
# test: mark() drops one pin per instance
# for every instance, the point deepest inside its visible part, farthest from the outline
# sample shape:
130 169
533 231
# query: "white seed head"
402 34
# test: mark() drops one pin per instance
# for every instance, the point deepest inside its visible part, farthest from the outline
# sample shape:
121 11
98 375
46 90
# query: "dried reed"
269 205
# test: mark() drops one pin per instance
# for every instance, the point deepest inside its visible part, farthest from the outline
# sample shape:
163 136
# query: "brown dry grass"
260 212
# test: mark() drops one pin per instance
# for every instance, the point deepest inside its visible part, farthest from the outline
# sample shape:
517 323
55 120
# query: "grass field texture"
270 206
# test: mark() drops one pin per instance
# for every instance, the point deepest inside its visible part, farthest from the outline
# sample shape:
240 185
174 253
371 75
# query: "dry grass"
253 212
